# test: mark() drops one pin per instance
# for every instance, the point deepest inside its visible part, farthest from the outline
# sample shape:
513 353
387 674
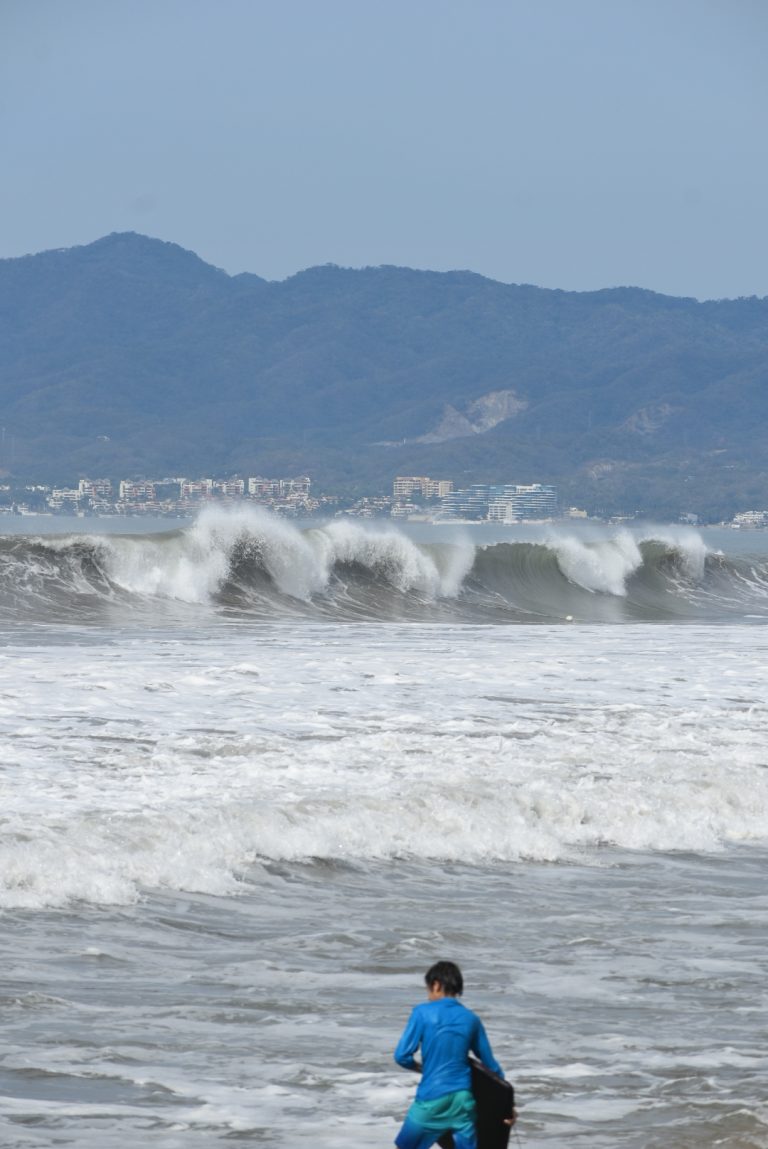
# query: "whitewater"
257 776
266 568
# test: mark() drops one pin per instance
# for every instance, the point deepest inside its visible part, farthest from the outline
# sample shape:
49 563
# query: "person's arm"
409 1043
481 1046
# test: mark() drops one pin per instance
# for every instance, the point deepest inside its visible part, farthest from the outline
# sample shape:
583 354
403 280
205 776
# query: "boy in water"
447 1032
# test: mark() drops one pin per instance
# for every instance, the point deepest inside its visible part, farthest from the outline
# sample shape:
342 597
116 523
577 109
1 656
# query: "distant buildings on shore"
505 503
750 519
414 497
177 496
406 486
480 502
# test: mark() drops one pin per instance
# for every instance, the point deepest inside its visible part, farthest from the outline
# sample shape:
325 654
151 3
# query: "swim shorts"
427 1120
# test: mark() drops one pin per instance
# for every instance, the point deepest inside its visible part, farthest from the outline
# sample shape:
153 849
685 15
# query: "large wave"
248 562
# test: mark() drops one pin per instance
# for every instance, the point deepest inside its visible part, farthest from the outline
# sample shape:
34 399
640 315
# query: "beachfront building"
262 488
95 489
501 503
751 519
468 502
230 488
64 499
140 491
406 486
523 501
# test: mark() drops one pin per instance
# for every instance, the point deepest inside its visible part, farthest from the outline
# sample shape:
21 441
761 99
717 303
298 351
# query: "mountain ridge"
133 356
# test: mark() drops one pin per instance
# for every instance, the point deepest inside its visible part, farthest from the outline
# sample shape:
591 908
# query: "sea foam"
177 765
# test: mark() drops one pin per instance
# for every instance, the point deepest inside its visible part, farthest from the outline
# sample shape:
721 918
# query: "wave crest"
249 561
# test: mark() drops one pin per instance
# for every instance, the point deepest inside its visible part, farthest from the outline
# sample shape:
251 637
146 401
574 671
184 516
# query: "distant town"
415 498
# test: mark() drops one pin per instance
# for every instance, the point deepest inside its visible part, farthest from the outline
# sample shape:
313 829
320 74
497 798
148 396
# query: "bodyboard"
495 1100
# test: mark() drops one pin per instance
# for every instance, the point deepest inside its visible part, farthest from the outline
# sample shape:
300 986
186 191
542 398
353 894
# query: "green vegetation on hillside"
131 356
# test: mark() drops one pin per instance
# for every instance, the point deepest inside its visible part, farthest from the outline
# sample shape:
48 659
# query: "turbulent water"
256 778
269 570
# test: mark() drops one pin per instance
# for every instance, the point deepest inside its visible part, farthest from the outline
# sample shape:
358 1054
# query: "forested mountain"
131 356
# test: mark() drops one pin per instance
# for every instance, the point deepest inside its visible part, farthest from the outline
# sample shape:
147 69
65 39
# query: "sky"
573 144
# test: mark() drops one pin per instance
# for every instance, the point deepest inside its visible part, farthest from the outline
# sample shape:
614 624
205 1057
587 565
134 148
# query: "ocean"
256 777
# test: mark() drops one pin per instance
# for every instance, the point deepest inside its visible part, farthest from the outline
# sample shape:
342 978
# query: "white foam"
195 564
396 558
358 744
686 541
192 565
600 565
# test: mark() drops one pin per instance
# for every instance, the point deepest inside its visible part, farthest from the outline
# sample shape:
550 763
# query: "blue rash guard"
447 1032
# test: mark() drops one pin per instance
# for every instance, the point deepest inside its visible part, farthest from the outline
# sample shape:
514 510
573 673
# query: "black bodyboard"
495 1100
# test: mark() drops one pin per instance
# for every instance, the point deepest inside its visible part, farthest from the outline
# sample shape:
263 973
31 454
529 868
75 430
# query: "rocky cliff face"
479 416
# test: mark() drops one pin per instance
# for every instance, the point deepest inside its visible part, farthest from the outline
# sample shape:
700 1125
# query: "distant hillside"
132 356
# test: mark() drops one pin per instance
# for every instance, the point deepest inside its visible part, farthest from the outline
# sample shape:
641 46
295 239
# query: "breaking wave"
246 562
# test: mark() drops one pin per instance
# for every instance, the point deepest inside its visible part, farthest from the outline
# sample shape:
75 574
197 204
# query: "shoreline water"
231 842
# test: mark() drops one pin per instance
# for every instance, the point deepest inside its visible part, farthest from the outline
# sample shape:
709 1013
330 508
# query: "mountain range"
131 356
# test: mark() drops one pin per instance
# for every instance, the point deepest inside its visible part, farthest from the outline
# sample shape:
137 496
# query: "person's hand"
511 1120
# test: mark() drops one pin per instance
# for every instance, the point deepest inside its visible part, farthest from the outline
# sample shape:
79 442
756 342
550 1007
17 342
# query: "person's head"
443 979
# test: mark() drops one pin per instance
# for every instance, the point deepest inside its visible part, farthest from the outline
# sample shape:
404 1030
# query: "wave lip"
249 562
603 567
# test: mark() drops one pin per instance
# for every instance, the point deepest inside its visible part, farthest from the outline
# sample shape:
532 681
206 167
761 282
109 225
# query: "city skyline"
437 501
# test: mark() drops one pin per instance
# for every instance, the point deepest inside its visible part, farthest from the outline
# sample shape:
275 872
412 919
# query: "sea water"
255 778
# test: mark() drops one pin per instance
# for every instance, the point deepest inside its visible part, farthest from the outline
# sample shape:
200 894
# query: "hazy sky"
566 143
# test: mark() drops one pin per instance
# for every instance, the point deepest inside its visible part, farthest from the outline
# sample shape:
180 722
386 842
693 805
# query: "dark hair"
448 976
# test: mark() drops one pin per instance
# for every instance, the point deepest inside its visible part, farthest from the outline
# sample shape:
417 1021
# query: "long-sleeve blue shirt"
447 1032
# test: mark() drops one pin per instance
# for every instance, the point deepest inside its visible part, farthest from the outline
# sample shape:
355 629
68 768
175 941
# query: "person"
447 1032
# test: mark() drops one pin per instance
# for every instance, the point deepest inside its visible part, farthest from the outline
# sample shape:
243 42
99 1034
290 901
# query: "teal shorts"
427 1120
